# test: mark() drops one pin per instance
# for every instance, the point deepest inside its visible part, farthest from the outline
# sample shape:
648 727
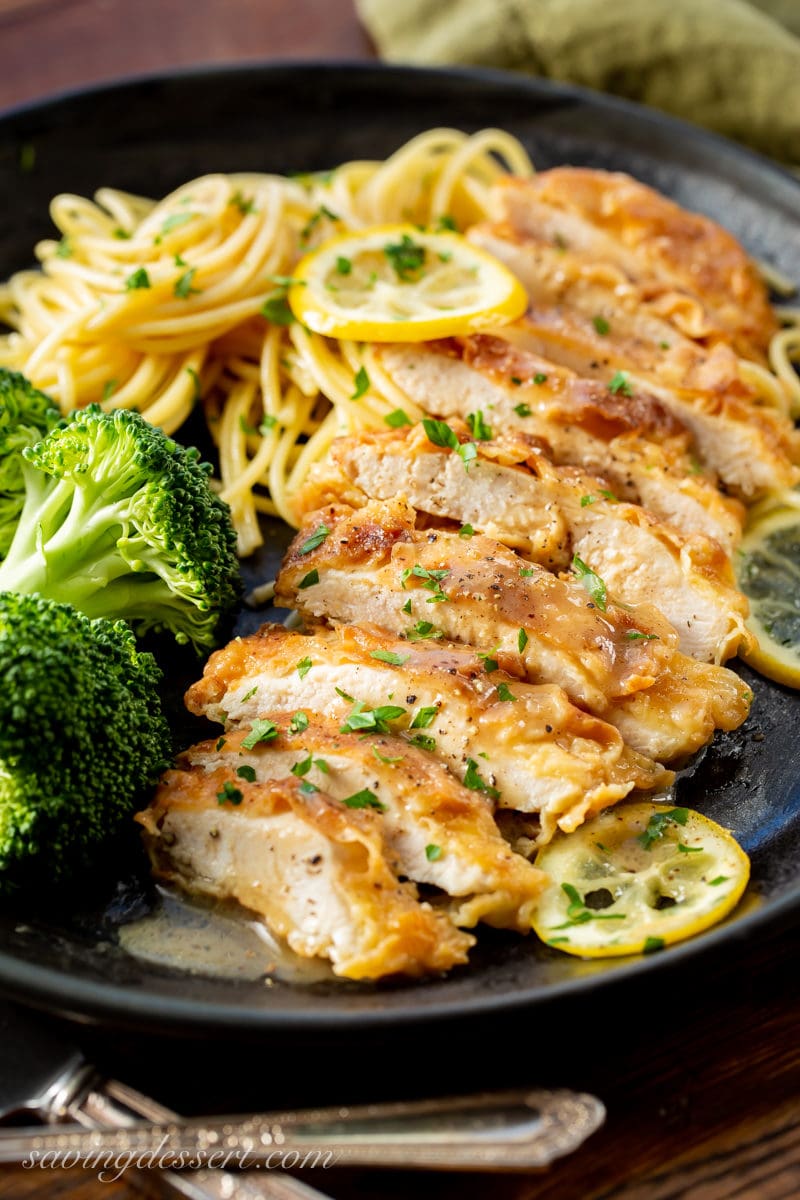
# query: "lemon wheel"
393 283
635 879
768 572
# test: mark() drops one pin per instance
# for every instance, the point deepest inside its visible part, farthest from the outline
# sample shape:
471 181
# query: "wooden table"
700 1071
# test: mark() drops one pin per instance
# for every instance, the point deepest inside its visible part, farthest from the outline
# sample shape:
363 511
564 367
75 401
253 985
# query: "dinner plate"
148 136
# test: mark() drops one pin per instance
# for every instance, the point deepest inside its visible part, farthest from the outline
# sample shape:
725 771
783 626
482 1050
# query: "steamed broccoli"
81 735
26 415
121 521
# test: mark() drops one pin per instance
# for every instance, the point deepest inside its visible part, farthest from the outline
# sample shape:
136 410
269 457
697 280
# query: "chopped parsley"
478 427
245 204
466 531
591 583
424 717
522 640
657 824
175 220
249 695
389 656
64 248
299 722
361 382
522 410
424 741
315 540
526 572
397 418
322 213
407 257
601 325
473 780
431 581
303 666
636 635
364 799
220 742
517 382
261 730
344 266
433 852
422 631
684 849
376 719
246 772
137 281
309 580
488 660
504 692
385 759
720 879
406 608
579 914
440 433
183 287
229 794
652 945
540 377
276 308
445 224
301 768
620 383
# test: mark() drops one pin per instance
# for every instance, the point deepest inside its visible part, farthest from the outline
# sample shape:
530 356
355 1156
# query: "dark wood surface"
701 1072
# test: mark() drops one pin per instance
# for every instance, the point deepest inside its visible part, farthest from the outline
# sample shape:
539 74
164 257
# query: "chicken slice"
590 328
514 493
375 565
633 442
685 265
436 830
313 869
546 756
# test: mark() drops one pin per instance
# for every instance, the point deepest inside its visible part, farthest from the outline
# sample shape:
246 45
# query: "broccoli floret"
82 735
121 521
26 415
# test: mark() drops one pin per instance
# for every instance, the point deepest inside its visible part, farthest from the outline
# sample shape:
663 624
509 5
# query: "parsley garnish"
601 324
377 719
249 695
364 799
309 580
183 287
517 382
64 248
261 730
473 780
303 667
343 265
592 583
578 913
636 635
315 540
299 722
406 608
313 222
620 383
422 631
424 741
302 767
175 220
137 281
652 945
440 433
384 759
424 717
431 581
478 427
220 742
488 660
361 382
526 572
246 772
389 656
466 531
406 256
684 849
522 410
433 852
245 204
657 824
276 308
445 224
522 640
397 418
505 693
540 377
720 879
229 794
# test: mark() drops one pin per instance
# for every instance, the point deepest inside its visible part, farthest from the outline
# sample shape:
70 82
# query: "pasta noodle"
158 305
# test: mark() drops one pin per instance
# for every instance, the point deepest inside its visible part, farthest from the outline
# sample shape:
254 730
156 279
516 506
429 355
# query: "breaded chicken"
513 492
642 451
315 870
422 806
683 265
375 565
546 756
588 326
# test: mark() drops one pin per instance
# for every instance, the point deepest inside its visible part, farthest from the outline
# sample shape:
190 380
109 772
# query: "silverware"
43 1074
522 1129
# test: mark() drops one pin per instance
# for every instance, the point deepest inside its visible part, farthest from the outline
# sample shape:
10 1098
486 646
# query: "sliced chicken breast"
590 328
313 869
546 757
436 830
374 564
686 267
514 493
632 442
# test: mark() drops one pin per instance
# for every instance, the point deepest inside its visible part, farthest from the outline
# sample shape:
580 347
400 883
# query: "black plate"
149 136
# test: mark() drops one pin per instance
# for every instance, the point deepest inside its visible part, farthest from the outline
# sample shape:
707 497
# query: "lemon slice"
768 572
637 878
396 283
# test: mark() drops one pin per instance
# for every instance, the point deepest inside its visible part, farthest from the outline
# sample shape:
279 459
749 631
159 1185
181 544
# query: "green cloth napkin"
731 65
